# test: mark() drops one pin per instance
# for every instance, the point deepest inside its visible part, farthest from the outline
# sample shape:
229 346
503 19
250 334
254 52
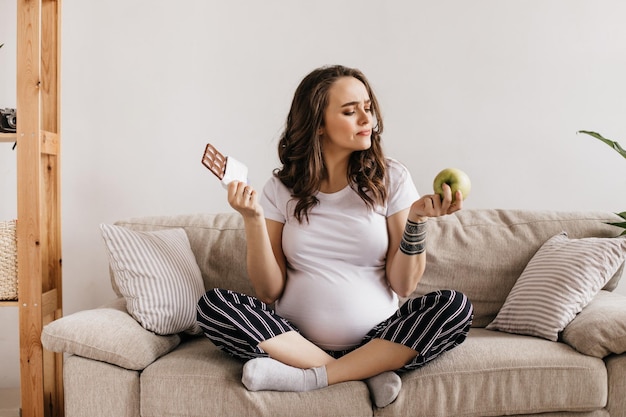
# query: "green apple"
456 179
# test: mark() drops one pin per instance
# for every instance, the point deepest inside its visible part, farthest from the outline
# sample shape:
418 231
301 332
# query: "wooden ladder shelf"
38 202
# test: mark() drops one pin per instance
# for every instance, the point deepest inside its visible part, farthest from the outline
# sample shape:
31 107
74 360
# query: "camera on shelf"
8 120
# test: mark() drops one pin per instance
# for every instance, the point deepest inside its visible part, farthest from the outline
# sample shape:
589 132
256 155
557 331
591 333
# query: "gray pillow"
108 335
558 282
600 329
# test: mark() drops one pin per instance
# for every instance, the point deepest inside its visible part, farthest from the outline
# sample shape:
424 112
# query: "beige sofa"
114 367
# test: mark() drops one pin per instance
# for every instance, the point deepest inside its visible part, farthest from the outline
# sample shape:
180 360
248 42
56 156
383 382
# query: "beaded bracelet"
414 238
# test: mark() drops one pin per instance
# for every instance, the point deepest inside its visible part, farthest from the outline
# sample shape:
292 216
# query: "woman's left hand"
434 205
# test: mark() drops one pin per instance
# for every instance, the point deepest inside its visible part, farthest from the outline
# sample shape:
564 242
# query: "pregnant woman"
336 235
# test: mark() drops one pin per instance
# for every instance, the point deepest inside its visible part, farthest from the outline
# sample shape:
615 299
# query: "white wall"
495 88
9 342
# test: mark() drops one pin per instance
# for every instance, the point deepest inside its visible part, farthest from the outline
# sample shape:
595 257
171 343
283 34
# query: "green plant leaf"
618 224
622 215
616 146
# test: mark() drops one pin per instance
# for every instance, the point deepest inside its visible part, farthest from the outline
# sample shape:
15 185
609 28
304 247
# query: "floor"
9 402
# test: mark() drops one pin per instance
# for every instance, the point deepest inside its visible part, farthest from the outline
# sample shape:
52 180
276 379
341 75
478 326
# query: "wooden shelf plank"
9 303
49 143
8 137
49 302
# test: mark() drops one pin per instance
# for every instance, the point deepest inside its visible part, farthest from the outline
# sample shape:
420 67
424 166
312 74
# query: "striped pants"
431 325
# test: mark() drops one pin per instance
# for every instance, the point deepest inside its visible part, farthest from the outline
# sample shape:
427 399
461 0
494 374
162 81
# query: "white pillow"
558 282
157 274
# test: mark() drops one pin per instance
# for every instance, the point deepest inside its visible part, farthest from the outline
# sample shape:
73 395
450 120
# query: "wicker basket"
8 260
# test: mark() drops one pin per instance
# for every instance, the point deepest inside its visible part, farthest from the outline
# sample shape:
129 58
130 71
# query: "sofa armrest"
616 369
98 389
108 334
600 328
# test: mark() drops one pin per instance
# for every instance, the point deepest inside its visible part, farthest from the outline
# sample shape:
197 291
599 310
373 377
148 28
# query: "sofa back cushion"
218 242
483 252
479 252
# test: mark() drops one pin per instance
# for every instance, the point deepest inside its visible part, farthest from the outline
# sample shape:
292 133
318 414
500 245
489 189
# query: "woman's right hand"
244 199
264 259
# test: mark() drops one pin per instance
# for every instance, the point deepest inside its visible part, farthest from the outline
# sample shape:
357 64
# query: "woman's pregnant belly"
336 312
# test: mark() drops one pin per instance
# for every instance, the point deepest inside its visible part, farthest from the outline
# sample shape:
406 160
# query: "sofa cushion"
560 279
157 274
492 373
494 246
600 329
108 335
197 379
218 242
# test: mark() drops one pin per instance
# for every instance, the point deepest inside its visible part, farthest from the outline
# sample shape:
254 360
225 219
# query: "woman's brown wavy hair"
300 148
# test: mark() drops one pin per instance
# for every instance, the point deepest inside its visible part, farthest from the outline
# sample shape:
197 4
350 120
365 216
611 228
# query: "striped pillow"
558 282
157 274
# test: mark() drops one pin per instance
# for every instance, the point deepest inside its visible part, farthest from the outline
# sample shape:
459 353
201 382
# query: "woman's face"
347 118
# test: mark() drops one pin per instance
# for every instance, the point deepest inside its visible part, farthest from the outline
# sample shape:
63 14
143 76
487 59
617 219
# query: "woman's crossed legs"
281 359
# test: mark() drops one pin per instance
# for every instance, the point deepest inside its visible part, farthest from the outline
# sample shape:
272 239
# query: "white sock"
384 388
267 374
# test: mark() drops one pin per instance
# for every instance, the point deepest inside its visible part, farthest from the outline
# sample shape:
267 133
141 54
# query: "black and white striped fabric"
157 274
558 282
432 324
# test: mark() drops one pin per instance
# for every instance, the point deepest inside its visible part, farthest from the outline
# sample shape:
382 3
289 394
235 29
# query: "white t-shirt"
336 289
